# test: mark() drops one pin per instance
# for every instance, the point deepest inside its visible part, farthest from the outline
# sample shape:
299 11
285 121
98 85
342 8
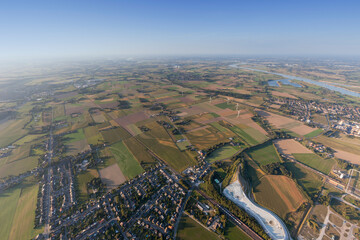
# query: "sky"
89 28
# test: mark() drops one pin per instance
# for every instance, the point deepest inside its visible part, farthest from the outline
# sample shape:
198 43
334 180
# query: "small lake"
321 84
275 83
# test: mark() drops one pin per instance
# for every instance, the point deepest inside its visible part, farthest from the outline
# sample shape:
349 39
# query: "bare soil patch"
112 176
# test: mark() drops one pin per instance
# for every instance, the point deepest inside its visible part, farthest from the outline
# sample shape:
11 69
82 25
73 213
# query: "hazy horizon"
92 29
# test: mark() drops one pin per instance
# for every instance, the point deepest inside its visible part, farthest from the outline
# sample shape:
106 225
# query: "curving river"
321 84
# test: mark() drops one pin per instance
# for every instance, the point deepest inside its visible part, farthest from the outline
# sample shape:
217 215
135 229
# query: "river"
321 84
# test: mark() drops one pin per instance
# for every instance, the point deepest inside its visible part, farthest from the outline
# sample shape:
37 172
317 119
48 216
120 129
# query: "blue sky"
84 28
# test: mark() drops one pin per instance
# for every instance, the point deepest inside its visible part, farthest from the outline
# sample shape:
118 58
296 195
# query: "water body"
321 84
275 83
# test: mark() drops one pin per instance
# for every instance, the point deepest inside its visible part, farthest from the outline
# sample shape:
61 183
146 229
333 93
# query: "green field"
8 204
264 154
18 162
78 135
12 130
308 180
225 105
248 138
189 229
134 129
17 213
126 161
139 151
82 179
314 133
114 135
28 138
314 161
92 135
232 232
23 222
169 153
218 126
222 153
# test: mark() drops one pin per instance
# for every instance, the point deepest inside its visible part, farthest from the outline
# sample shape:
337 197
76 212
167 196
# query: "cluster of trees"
241 214
95 187
277 169
227 93
143 100
123 104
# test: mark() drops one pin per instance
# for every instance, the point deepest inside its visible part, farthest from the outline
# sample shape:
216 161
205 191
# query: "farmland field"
344 144
314 133
307 179
139 151
264 154
290 146
19 166
23 222
247 136
92 135
28 138
76 147
126 161
169 152
279 194
113 135
189 229
208 137
8 205
314 161
222 153
12 130
112 176
288 123
232 232
83 178
74 137
159 141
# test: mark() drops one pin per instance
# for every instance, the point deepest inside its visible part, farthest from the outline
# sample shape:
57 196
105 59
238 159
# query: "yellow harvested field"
290 146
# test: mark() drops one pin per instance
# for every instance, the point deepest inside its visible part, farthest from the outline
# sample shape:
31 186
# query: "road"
48 188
